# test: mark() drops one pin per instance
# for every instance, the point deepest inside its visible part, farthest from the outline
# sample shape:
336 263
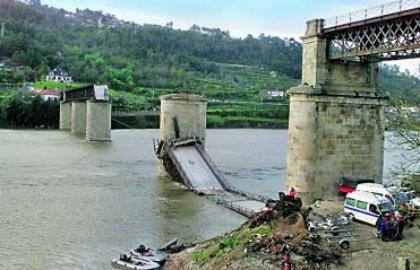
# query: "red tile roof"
45 92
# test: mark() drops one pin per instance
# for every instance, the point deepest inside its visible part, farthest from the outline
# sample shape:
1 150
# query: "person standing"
293 192
399 228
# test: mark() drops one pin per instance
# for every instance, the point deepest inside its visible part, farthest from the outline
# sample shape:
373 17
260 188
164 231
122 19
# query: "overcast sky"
282 18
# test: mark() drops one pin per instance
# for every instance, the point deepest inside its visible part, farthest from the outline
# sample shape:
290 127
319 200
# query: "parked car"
348 184
404 197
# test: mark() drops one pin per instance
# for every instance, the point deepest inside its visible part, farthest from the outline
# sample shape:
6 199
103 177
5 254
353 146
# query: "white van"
366 207
377 189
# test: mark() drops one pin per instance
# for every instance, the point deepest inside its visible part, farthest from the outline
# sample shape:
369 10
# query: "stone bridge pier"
336 125
65 116
78 118
86 112
183 116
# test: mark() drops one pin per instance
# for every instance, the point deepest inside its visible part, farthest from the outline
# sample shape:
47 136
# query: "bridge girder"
391 37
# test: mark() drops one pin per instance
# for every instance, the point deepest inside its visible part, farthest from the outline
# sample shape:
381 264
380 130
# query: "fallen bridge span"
182 152
187 162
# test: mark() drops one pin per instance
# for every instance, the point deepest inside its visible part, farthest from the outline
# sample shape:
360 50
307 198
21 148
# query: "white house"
59 75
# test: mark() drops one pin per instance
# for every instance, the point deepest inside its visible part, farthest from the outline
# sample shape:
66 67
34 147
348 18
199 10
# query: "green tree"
405 126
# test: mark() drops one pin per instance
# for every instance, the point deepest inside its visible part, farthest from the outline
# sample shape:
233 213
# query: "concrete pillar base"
78 118
182 116
65 115
98 121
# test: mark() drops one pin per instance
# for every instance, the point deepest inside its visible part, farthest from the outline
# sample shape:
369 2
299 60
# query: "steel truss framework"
392 37
78 94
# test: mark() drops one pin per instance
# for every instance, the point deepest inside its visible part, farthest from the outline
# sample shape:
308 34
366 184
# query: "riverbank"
232 251
142 121
219 115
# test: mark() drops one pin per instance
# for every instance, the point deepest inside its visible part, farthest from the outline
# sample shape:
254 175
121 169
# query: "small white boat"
128 263
149 255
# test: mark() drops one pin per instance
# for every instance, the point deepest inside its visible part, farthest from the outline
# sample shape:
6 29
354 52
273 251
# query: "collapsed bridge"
187 162
181 149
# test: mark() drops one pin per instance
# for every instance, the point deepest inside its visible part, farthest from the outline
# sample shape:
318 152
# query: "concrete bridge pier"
65 116
182 116
86 111
336 124
78 118
98 121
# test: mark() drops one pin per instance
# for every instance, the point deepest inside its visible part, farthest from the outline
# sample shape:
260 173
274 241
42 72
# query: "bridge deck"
200 174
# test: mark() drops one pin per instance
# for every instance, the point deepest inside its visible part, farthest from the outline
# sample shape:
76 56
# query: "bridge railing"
135 113
372 12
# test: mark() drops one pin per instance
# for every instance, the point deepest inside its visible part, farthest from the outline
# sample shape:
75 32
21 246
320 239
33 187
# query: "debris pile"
286 236
174 247
298 235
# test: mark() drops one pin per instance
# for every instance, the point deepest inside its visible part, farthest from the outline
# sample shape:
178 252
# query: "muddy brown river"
69 204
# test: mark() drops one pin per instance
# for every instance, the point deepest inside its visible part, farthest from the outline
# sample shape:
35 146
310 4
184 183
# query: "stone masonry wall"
301 152
330 137
350 140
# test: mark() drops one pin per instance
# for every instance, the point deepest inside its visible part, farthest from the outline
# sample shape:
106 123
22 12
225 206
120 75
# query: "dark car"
348 184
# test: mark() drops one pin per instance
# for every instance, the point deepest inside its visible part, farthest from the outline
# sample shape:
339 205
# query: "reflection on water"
69 204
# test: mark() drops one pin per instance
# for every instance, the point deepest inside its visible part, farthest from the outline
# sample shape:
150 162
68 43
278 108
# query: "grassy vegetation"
242 85
128 102
236 240
5 95
56 85
233 83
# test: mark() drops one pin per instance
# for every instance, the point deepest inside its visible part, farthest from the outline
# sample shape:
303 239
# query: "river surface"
69 204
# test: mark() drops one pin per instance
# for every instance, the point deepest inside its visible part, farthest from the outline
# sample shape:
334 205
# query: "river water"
69 204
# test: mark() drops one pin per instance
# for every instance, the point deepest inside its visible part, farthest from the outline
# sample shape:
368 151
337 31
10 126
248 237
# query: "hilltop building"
59 75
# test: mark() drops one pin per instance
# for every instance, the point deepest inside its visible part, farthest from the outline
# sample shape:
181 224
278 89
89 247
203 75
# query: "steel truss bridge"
386 32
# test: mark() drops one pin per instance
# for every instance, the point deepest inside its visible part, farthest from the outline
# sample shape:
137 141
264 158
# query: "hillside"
400 85
141 62
97 47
